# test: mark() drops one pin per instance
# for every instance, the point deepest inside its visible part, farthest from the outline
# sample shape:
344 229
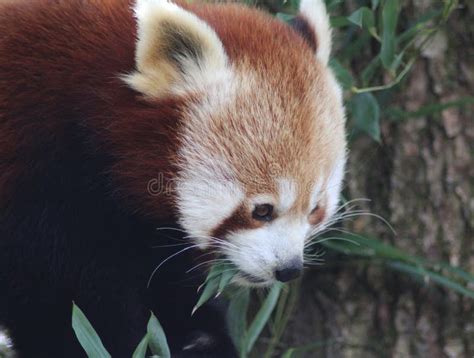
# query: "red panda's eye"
316 215
263 212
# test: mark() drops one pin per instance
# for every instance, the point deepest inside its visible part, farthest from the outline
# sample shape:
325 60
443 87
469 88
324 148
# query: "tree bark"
421 179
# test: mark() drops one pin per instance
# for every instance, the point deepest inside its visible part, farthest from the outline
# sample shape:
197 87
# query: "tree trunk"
421 179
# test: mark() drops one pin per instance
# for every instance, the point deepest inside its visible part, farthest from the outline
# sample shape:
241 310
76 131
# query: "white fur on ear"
175 50
314 11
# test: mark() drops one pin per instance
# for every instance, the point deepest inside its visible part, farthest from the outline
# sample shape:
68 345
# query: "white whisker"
213 261
167 259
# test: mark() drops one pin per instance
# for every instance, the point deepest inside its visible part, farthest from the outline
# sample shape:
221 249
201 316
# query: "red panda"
117 117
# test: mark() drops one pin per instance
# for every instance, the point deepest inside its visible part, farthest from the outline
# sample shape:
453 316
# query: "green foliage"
157 339
396 114
237 317
441 273
260 319
87 335
342 74
390 13
365 112
364 18
140 351
218 278
286 304
298 351
244 337
153 341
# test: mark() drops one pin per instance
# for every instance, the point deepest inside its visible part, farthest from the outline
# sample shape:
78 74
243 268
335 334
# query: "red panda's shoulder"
64 42
54 55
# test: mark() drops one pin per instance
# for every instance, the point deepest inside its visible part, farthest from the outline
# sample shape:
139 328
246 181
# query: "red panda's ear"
313 24
175 50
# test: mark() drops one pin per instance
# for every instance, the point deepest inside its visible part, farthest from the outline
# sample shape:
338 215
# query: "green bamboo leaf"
86 335
225 278
398 60
285 17
332 4
211 289
213 274
468 277
237 317
390 18
290 353
397 114
297 351
342 74
370 70
363 17
157 338
418 25
389 85
140 351
293 4
347 248
441 273
366 114
262 316
354 244
355 45
282 313
339 21
219 276
218 269
424 274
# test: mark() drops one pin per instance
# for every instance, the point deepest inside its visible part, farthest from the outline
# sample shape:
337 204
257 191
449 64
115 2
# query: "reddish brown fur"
60 61
59 72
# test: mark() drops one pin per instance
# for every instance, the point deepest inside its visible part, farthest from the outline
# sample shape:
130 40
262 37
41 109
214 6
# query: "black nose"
290 271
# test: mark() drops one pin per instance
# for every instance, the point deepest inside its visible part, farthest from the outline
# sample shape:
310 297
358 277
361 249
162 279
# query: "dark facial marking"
239 219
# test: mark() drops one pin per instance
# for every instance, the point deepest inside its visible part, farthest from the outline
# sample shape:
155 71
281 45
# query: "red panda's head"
262 147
